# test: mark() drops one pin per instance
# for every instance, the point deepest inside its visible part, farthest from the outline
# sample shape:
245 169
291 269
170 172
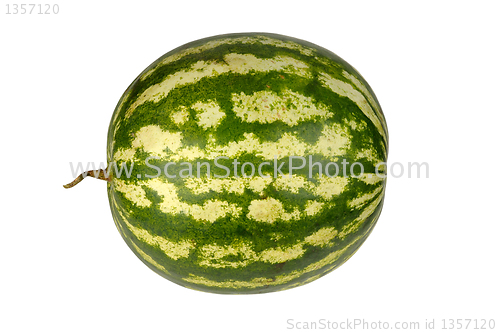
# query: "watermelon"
246 163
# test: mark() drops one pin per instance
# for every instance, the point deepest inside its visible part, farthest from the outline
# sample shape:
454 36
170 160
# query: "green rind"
230 230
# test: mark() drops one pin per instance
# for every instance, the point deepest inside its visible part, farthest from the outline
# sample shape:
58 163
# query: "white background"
434 254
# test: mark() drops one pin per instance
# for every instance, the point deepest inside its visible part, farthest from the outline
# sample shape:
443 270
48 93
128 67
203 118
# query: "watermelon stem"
98 174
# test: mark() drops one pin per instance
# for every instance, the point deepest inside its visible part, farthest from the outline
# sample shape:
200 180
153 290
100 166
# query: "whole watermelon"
246 163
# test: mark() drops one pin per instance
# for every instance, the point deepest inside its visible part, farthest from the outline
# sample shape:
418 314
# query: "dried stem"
98 174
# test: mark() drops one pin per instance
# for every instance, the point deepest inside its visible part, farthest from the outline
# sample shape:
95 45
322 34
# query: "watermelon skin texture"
254 97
